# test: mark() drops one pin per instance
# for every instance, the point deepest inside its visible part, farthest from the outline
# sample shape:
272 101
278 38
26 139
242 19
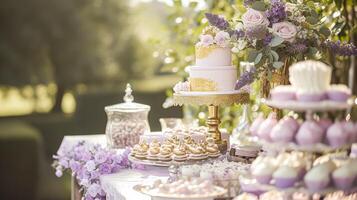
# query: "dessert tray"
158 163
325 105
144 189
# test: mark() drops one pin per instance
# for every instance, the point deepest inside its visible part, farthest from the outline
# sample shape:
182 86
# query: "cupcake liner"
343 183
263 179
338 96
337 141
283 96
317 185
284 182
305 97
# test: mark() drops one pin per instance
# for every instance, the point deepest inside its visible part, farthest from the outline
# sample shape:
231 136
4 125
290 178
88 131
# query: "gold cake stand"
213 100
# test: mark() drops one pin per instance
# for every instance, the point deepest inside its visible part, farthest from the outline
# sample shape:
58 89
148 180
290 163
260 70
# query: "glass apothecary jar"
126 122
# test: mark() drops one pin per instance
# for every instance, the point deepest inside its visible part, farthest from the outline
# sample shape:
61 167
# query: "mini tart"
165 154
179 154
154 144
197 153
141 153
135 149
153 153
212 148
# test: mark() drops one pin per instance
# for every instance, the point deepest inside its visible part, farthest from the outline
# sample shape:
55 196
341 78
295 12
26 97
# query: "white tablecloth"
119 186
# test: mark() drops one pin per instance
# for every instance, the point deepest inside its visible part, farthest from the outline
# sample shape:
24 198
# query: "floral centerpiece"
275 33
87 162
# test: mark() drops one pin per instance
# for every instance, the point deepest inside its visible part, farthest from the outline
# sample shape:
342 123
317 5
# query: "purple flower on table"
74 165
94 175
90 166
217 21
63 162
100 157
105 168
94 190
59 173
138 166
277 12
85 182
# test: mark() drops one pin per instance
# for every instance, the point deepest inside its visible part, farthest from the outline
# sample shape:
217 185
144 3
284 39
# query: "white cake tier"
213 56
223 77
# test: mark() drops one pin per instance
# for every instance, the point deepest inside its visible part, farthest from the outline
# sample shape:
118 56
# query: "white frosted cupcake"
285 176
263 173
344 177
317 179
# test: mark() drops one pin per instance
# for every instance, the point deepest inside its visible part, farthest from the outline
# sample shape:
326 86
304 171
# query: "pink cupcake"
266 127
283 93
350 128
324 123
336 135
285 177
256 124
344 177
309 133
339 93
282 132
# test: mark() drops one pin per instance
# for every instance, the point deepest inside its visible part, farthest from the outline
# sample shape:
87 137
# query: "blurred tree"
67 41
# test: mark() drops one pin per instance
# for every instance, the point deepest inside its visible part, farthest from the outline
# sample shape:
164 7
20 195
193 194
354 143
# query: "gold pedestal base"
213 127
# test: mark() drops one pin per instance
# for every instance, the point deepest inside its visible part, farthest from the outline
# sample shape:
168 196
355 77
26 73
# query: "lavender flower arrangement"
87 162
272 31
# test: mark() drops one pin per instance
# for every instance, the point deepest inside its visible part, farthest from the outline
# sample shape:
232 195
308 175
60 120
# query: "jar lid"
128 105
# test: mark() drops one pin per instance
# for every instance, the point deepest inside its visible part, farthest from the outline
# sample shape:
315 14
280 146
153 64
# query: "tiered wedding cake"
213 70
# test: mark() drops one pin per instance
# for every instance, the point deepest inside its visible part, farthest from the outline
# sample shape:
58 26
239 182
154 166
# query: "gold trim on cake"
202 52
202 84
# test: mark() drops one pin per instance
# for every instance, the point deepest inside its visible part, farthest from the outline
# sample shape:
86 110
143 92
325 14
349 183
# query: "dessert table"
118 186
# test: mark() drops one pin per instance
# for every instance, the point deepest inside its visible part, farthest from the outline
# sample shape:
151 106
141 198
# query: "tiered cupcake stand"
318 151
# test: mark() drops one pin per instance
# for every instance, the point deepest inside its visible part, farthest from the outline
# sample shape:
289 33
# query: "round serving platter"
158 163
144 189
309 106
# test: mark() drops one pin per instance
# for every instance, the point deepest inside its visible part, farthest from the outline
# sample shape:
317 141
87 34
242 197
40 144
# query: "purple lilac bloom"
236 34
277 12
105 168
267 39
256 32
100 157
341 48
246 78
94 189
217 21
297 48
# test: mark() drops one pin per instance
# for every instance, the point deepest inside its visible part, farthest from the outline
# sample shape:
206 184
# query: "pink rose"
285 30
206 40
222 39
254 18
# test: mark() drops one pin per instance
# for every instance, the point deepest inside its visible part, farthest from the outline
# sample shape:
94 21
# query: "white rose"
285 30
254 18
222 39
